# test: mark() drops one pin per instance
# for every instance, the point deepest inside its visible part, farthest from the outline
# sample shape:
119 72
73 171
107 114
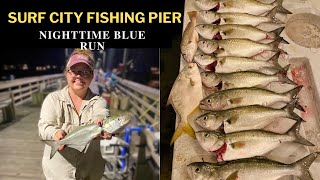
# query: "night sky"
143 58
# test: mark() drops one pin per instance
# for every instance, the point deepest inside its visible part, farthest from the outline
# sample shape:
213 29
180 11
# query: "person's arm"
47 124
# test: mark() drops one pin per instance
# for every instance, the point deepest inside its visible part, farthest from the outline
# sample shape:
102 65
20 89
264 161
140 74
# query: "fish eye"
205 118
201 55
203 42
206 12
202 26
206 135
206 74
197 170
209 100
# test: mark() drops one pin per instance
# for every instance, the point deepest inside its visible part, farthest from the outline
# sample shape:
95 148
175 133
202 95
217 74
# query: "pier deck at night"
21 149
20 146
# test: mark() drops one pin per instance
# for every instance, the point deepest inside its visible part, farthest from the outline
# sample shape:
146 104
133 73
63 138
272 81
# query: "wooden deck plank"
20 146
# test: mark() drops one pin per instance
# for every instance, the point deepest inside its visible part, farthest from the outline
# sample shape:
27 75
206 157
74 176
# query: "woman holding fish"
65 111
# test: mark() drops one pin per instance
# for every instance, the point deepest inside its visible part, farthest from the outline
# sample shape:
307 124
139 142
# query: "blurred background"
128 79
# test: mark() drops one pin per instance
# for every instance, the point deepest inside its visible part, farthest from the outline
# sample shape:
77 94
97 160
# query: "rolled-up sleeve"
48 119
100 109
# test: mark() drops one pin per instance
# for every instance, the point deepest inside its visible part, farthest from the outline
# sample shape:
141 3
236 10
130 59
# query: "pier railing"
144 100
22 89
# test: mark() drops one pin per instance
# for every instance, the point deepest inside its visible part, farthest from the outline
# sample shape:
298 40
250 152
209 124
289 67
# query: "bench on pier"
7 106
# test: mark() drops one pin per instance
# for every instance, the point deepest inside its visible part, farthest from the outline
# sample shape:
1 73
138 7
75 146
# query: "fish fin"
290 109
228 4
274 61
212 66
294 132
280 8
285 69
192 15
275 33
222 60
192 82
182 127
54 146
226 33
274 44
272 15
284 79
235 100
228 85
302 166
293 93
238 145
232 120
233 176
259 86
219 51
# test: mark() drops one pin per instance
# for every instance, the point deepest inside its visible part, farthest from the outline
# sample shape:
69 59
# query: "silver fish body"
237 47
227 31
241 6
245 118
252 169
185 96
190 38
233 18
241 79
83 135
232 98
231 64
246 144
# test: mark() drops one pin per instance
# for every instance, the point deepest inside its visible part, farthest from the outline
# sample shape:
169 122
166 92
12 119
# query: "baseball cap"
80 58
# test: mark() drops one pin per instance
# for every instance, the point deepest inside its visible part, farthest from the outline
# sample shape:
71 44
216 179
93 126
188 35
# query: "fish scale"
249 143
252 169
233 18
236 97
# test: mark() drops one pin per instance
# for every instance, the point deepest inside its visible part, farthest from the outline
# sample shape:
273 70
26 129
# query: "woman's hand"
60 134
103 135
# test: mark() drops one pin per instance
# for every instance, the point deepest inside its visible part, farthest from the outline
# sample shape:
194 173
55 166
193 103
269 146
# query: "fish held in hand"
252 169
246 144
80 136
185 97
246 117
232 98
228 31
190 38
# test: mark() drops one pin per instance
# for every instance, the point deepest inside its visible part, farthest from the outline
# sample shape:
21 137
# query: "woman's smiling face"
79 76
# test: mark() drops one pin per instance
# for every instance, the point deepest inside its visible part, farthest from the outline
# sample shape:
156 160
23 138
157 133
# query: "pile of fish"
226 81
